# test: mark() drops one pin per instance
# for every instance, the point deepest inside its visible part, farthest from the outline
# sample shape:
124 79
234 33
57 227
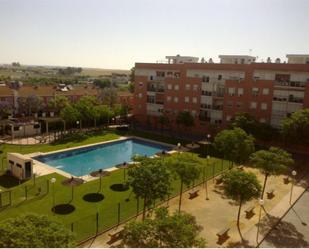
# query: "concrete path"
219 212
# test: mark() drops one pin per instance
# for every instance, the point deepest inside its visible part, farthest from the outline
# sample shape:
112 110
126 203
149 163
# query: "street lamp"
179 146
294 173
261 203
206 185
53 181
77 122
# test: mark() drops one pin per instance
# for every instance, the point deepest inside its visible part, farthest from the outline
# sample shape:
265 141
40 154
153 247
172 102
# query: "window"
240 91
187 99
140 95
228 118
255 91
265 91
231 91
239 105
263 106
150 99
140 84
219 77
262 120
195 87
169 86
229 104
207 93
193 112
205 79
176 99
176 87
194 100
168 98
187 86
205 106
253 105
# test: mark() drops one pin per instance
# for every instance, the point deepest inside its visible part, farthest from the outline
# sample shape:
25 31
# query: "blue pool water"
82 161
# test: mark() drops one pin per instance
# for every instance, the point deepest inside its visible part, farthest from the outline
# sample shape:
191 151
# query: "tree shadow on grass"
7 181
63 209
119 187
284 234
93 197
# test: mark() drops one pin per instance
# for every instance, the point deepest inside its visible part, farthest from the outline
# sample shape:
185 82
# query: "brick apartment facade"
47 93
215 92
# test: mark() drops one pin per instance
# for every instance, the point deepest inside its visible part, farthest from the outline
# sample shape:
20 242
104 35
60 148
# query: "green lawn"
84 216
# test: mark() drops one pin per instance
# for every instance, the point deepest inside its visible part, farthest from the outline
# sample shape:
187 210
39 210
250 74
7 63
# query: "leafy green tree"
109 96
58 103
236 145
104 113
34 231
85 106
70 114
250 125
132 75
163 121
296 127
6 109
131 87
241 186
187 167
185 118
102 83
150 181
179 230
274 161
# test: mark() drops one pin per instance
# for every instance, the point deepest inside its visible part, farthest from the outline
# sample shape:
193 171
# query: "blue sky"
118 33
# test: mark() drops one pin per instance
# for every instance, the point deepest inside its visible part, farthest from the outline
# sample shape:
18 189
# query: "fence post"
72 227
97 222
118 213
26 192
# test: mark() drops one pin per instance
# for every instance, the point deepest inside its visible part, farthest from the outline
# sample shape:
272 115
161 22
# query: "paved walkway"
293 229
220 212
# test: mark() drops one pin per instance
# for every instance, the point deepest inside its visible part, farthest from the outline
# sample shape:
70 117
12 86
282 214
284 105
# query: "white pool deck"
40 169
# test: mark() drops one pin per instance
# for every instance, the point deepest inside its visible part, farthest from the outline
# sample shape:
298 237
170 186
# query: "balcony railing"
155 89
298 84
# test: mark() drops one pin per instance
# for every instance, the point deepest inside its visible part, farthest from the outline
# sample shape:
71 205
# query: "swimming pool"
82 161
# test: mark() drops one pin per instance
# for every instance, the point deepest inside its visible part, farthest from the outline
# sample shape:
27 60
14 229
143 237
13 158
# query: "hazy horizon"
116 34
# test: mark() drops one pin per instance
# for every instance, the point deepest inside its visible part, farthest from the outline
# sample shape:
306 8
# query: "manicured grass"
83 218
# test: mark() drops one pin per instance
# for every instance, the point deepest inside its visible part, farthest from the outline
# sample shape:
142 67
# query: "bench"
223 235
249 212
193 193
270 194
286 180
114 236
219 180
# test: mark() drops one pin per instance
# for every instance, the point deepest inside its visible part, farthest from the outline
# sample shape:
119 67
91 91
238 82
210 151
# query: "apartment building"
215 92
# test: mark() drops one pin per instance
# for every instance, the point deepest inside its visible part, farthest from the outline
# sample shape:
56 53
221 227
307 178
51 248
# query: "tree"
109 96
132 75
70 114
236 145
6 109
241 187
185 118
274 161
163 121
296 127
150 181
102 83
131 87
250 125
187 168
85 107
34 231
179 230
104 113
58 103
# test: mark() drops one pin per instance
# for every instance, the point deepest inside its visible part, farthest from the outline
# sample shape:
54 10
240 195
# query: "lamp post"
294 173
208 143
53 181
261 203
179 146
206 185
77 123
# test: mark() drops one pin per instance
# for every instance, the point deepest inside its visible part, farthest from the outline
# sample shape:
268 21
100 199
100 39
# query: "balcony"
290 84
155 89
204 118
